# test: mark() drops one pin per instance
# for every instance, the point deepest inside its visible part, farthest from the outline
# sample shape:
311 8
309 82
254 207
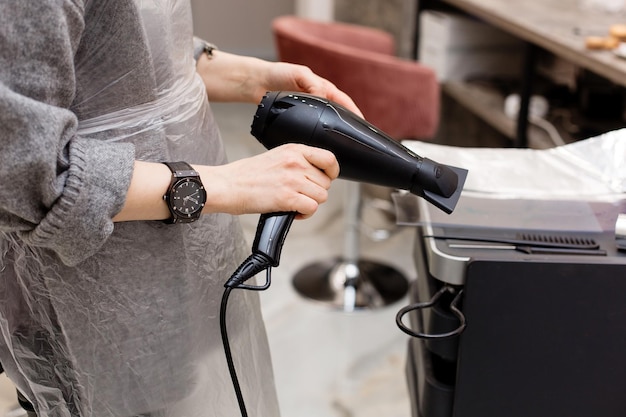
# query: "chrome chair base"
351 286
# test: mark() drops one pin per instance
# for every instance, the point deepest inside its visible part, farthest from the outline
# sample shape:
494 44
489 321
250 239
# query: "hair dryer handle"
271 233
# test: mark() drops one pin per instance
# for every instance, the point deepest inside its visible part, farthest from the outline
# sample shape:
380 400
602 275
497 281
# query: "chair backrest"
334 33
400 97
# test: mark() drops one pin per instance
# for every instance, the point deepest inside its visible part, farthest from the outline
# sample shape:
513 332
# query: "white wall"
243 26
316 9
239 26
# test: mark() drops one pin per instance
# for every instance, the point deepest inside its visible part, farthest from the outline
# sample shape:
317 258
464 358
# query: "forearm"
232 78
144 199
150 182
229 77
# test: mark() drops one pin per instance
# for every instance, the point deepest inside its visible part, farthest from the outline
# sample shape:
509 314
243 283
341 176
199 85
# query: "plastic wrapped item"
580 186
589 168
134 328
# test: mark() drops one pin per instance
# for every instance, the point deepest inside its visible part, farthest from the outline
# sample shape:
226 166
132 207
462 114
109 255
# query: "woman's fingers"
323 160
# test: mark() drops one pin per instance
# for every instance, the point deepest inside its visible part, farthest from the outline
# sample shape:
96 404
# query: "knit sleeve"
59 191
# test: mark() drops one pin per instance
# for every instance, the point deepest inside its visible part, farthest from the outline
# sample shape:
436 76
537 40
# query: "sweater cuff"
80 221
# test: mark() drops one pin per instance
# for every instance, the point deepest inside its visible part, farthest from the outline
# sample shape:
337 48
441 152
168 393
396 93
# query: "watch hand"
192 199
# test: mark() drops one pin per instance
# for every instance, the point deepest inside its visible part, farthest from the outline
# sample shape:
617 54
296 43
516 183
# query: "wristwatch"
186 195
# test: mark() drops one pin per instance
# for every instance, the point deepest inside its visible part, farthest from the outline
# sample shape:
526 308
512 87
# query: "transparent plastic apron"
134 329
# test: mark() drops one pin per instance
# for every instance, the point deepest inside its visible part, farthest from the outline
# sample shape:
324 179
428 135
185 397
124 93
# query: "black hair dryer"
365 154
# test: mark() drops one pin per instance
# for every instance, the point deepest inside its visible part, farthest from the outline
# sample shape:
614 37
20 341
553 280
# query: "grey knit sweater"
59 190
97 318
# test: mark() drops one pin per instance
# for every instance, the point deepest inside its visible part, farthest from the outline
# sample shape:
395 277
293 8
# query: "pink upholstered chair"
398 96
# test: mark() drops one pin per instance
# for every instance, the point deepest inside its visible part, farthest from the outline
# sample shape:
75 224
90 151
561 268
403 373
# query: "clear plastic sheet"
134 329
579 186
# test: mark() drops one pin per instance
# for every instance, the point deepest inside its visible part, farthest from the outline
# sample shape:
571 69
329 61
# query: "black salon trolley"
545 334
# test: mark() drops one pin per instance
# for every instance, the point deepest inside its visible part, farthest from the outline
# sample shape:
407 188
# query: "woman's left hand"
282 76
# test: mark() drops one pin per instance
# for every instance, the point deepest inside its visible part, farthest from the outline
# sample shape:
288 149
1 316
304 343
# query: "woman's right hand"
291 177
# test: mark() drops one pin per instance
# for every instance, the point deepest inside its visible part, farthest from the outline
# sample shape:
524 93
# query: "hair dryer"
364 153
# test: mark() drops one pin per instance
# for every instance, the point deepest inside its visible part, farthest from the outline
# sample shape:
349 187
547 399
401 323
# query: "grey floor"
328 363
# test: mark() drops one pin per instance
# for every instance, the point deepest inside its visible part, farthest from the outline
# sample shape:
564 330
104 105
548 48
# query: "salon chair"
398 96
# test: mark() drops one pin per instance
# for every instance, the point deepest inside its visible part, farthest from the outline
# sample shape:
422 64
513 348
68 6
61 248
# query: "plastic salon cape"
125 323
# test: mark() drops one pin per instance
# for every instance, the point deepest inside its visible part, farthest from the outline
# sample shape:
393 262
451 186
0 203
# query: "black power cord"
270 236
435 298
254 264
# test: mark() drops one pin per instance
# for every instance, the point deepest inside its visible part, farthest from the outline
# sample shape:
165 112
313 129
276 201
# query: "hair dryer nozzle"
439 184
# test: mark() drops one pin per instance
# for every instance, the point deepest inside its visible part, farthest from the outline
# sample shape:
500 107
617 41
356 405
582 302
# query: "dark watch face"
187 197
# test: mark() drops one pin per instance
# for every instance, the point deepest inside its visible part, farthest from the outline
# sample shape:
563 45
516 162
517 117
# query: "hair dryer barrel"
365 154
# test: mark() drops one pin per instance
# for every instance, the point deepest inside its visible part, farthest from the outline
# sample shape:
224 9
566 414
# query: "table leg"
528 75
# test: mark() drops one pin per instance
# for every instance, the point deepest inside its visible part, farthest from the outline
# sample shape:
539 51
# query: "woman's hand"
282 76
291 177
229 77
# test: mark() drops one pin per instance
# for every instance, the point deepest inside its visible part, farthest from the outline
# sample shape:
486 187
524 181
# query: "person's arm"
59 190
230 77
289 178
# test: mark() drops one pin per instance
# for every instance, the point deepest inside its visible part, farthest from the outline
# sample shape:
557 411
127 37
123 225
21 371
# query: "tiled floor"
328 363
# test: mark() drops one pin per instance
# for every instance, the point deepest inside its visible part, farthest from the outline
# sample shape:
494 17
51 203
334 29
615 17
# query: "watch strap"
182 169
